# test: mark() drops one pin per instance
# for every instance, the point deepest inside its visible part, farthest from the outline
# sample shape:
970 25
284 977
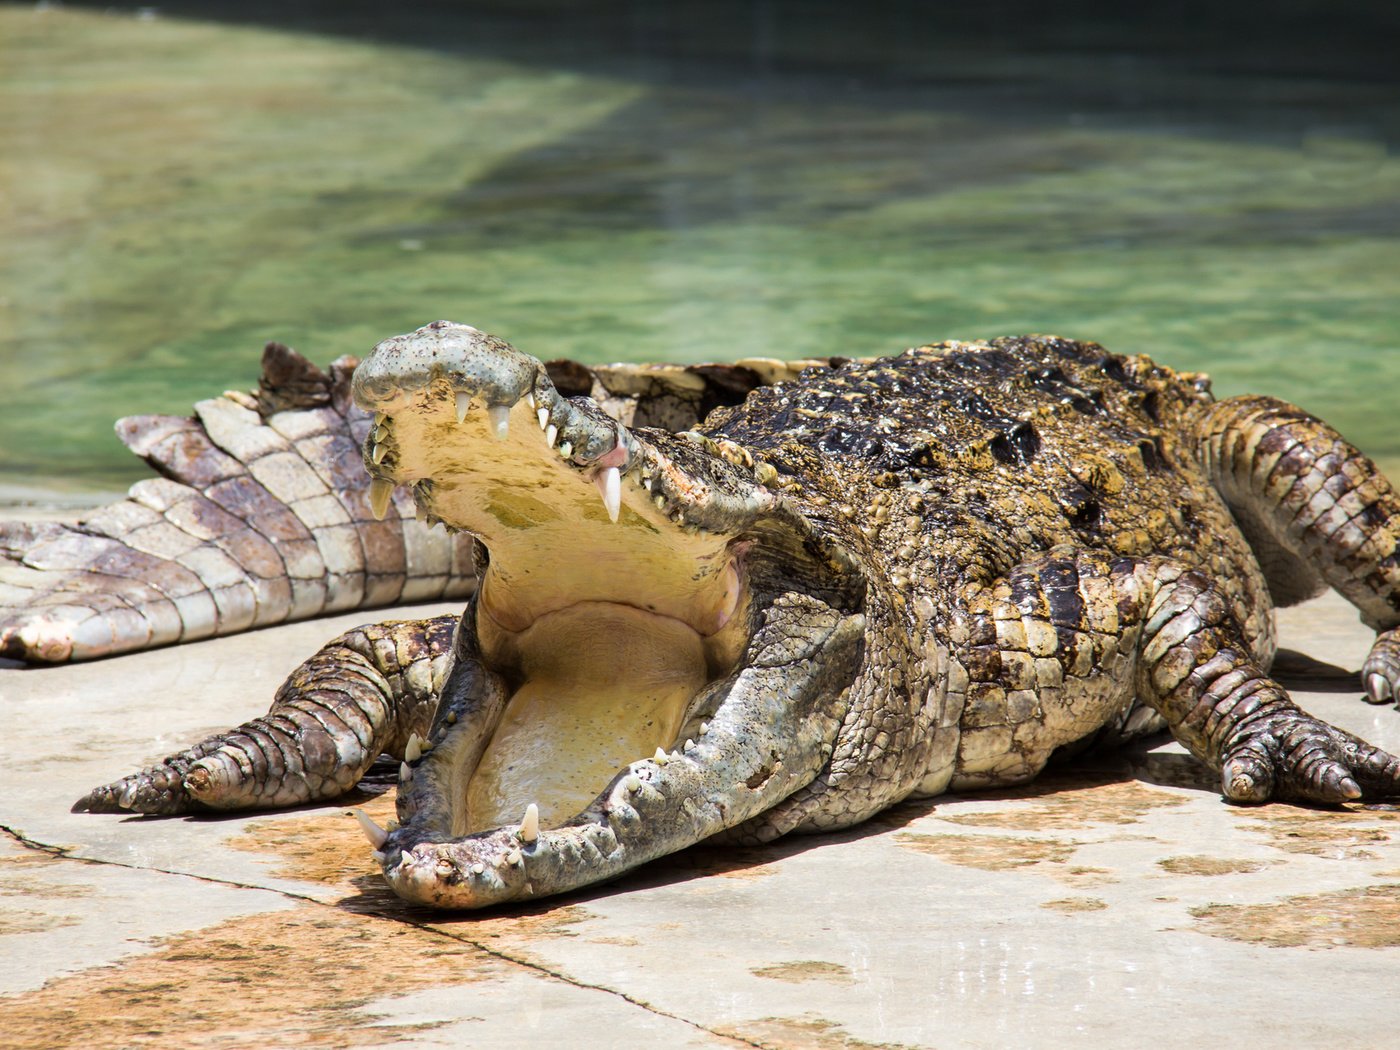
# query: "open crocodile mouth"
614 593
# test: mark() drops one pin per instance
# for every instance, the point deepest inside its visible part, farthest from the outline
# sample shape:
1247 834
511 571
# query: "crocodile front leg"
1226 710
365 693
1077 642
1316 511
772 730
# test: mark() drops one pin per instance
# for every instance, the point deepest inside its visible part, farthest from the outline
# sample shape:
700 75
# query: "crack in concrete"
66 853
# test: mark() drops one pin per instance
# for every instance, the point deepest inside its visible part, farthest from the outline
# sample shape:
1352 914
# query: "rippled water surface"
625 182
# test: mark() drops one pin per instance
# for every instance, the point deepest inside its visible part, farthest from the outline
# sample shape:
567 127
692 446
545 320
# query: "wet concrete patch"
1106 801
1075 904
1082 873
27 875
806 1033
323 846
1340 834
804 970
23 920
988 852
1368 917
1197 865
289 977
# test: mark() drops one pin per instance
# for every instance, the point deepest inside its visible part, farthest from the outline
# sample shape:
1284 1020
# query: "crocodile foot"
1288 754
1381 671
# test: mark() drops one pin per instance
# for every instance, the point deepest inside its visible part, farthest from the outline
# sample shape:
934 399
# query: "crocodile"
881 579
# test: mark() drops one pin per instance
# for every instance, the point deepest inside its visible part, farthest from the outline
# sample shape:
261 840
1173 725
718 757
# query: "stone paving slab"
1113 903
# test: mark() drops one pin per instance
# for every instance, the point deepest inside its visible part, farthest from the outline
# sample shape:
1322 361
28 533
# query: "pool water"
686 181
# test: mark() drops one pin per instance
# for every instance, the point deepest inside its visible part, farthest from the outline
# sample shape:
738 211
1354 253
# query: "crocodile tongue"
604 684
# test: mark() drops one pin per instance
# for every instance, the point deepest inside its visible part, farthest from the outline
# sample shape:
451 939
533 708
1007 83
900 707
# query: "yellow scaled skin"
605 684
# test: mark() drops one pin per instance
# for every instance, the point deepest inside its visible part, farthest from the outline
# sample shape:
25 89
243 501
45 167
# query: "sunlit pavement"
1116 903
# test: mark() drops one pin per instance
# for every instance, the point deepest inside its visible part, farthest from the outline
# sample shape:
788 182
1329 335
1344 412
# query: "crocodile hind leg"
363 694
1317 512
1063 645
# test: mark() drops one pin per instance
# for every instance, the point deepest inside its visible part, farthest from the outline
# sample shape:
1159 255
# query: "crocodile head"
657 648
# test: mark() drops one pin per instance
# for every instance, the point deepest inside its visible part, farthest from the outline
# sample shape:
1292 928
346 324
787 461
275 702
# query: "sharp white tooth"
530 400
478 868
378 856
633 783
515 857
377 453
704 728
609 483
373 831
450 717
661 758
566 449
689 745
550 433
405 773
380 492
413 750
660 501
500 421
543 416
464 402
646 484
530 824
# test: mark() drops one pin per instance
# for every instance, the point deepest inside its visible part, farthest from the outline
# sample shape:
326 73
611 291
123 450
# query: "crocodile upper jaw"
604 610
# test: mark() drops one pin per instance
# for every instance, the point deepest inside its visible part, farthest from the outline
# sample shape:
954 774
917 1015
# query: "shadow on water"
885 41
695 150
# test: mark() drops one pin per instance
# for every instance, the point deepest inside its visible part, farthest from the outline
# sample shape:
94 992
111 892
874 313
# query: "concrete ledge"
1119 902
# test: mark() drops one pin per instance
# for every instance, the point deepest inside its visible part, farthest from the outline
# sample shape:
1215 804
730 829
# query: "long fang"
380 492
376 835
609 483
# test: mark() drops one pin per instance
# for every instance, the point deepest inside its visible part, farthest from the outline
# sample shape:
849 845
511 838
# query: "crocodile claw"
1295 756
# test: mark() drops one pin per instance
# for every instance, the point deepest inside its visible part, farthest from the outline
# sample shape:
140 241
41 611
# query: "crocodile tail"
260 513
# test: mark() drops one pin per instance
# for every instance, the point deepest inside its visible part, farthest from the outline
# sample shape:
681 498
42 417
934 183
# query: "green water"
173 193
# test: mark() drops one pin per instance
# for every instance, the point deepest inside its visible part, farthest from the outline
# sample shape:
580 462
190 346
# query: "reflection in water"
627 181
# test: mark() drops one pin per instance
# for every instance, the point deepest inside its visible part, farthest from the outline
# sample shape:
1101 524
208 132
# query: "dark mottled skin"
959 561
